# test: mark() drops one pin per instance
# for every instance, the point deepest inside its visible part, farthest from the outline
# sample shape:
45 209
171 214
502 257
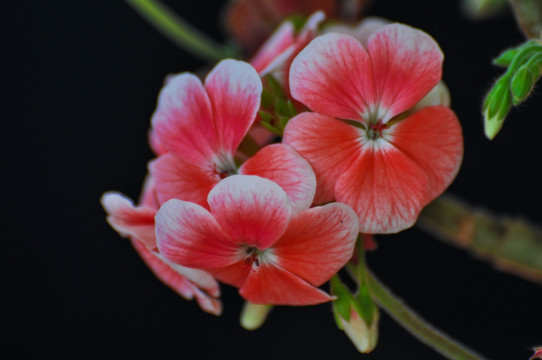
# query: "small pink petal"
318 242
234 89
284 166
183 121
333 76
269 284
188 235
407 64
432 137
274 49
327 144
148 194
173 275
130 220
251 210
385 188
178 179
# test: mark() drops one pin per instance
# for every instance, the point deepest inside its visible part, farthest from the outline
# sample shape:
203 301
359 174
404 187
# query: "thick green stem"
179 31
513 245
418 327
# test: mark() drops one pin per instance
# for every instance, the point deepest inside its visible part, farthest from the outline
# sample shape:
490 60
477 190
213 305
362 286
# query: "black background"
79 84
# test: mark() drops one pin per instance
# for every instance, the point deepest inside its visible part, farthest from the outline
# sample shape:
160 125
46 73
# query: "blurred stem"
179 31
512 245
418 327
529 16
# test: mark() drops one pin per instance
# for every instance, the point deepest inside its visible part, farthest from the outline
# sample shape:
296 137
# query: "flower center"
254 257
374 129
223 166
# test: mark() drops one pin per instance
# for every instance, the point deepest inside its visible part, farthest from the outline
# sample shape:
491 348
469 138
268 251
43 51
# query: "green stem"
418 327
179 31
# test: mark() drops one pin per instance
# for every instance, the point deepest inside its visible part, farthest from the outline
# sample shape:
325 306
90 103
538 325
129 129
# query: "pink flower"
283 45
254 240
199 128
365 150
137 222
537 353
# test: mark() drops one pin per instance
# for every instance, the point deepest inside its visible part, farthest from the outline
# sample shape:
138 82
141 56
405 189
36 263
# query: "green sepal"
344 301
497 104
367 307
506 57
522 84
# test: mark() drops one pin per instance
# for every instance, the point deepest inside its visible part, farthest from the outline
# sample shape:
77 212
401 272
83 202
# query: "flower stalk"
413 323
179 31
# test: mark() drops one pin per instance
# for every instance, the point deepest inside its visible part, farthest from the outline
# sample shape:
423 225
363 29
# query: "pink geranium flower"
199 127
137 222
365 149
253 239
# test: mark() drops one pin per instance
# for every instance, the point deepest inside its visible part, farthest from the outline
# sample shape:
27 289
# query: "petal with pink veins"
433 139
183 121
128 219
328 144
333 76
187 234
183 281
269 284
284 166
178 179
234 89
275 50
386 188
251 210
407 64
318 243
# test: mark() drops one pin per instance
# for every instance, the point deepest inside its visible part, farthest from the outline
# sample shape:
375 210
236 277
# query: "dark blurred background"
79 84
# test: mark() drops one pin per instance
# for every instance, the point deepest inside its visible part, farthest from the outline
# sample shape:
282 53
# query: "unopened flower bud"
496 106
357 317
522 84
253 315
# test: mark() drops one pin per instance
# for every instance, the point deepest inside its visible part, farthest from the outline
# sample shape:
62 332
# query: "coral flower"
366 148
252 239
199 128
137 222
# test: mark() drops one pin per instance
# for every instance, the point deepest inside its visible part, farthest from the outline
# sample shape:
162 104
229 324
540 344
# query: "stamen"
374 129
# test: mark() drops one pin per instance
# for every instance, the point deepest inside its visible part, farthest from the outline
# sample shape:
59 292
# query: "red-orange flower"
365 148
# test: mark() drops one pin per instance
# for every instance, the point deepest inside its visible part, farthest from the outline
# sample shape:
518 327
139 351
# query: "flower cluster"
369 142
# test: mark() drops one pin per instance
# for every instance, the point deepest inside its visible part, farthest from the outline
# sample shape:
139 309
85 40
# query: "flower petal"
284 166
128 219
175 276
270 284
432 137
275 50
333 76
188 235
234 89
251 210
318 242
407 64
384 187
327 144
178 179
183 121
